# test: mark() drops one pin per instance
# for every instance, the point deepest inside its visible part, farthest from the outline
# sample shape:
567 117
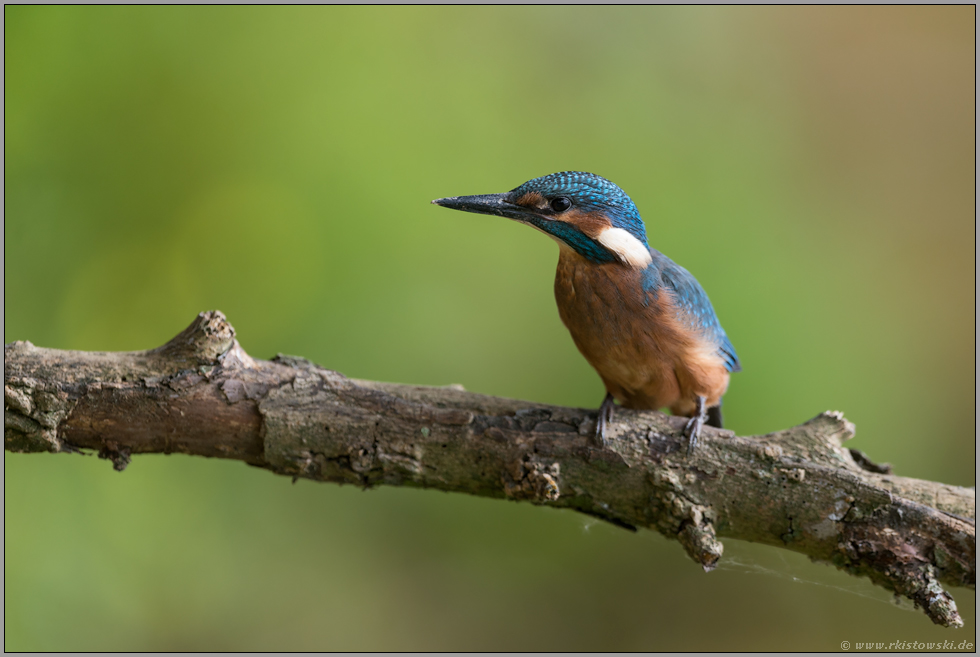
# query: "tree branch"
798 489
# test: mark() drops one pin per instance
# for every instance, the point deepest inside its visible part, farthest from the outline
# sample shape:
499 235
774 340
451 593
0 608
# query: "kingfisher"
641 320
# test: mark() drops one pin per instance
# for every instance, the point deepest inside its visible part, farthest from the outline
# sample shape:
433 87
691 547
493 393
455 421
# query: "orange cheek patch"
590 223
530 200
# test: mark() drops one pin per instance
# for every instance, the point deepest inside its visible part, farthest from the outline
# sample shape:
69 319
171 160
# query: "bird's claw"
693 427
693 431
605 417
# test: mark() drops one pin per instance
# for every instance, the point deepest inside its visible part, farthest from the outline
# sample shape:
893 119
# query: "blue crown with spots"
590 193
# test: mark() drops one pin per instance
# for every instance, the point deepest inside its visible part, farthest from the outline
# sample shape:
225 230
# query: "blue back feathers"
590 193
691 300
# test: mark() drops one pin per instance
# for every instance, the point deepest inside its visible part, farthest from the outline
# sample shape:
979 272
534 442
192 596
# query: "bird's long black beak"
497 204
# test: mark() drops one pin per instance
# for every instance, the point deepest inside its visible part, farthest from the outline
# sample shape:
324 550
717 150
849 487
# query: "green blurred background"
814 167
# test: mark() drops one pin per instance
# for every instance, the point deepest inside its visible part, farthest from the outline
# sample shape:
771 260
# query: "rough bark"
797 489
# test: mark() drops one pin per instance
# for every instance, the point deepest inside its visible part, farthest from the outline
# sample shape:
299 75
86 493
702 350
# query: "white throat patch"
627 248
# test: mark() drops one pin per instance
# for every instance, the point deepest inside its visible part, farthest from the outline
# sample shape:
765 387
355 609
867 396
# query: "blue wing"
693 301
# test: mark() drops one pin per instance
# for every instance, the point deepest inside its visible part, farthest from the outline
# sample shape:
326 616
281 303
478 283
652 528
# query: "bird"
641 320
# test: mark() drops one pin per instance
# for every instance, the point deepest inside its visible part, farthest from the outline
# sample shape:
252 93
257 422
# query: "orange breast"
647 355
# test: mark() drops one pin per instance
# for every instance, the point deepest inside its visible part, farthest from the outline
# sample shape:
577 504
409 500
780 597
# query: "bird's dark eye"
560 204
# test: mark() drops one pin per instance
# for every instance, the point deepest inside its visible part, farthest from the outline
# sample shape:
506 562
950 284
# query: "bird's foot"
605 417
693 427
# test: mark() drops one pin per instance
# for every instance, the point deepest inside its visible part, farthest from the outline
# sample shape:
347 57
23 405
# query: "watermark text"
907 645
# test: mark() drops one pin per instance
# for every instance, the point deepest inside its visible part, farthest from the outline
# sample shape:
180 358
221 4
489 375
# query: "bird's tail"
714 416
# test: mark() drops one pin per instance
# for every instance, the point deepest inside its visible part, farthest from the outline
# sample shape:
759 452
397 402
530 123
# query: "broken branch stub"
797 489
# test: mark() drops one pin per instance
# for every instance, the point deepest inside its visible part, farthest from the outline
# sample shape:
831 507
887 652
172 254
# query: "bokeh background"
814 167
